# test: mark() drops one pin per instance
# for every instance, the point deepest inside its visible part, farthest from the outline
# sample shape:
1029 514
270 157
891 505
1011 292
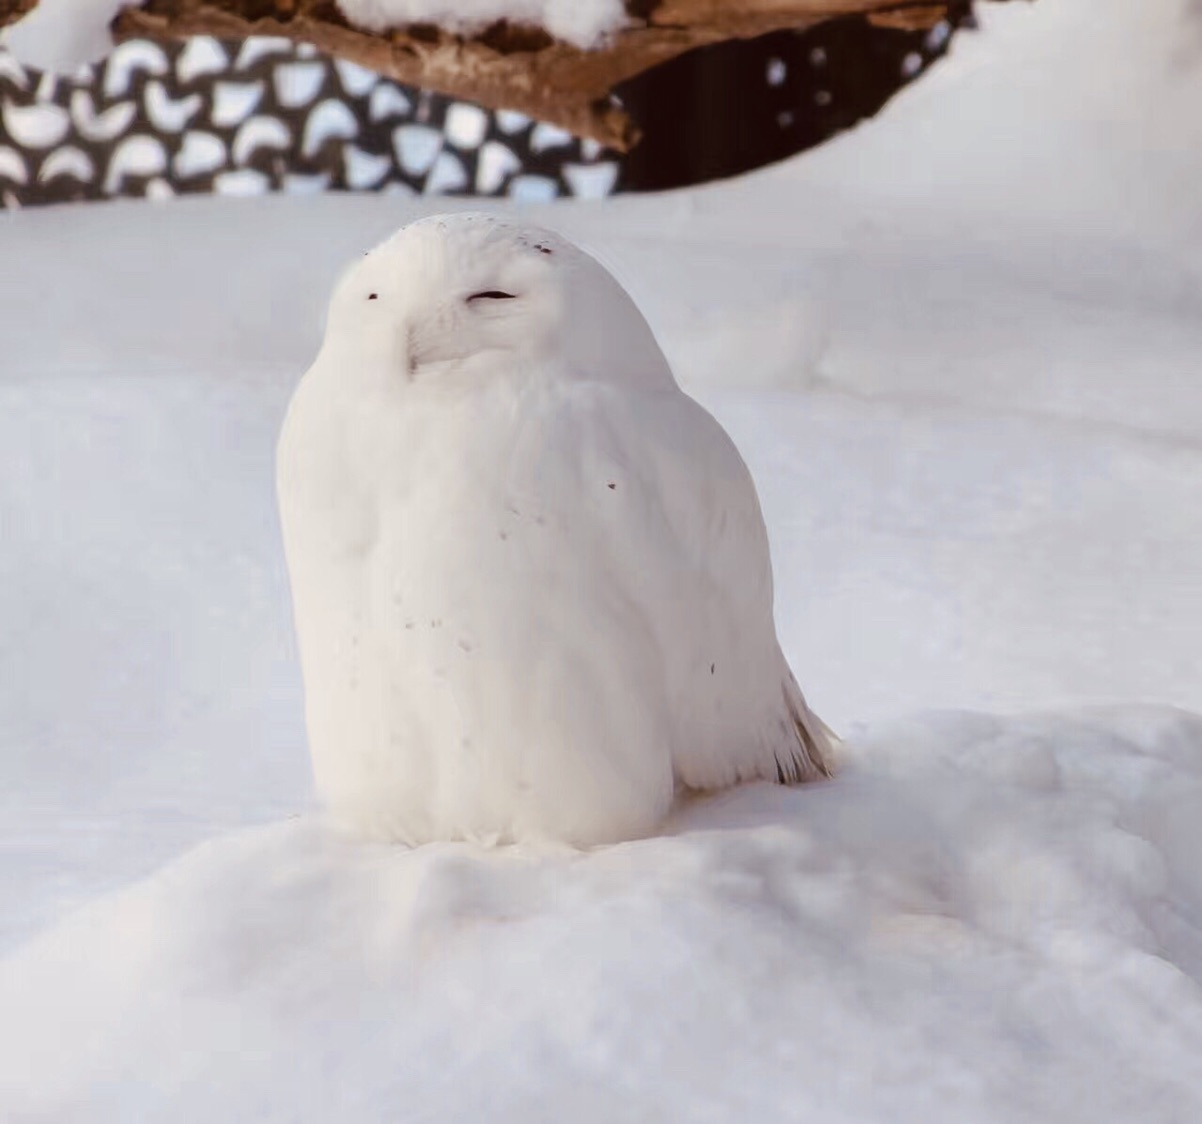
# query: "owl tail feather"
812 756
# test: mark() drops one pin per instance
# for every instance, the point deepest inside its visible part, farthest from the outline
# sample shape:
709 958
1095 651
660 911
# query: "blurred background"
263 115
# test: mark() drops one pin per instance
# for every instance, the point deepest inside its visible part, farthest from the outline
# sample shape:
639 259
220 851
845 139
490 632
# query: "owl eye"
491 295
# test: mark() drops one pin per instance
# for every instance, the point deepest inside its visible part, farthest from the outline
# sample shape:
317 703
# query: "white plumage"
530 575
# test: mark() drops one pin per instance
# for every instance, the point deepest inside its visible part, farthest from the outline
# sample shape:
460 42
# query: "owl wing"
686 524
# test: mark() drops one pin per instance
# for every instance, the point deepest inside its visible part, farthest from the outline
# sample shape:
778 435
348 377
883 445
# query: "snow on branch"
504 64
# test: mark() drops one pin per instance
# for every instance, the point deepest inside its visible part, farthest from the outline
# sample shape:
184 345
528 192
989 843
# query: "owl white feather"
530 575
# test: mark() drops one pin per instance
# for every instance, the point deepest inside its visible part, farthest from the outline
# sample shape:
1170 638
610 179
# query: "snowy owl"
530 575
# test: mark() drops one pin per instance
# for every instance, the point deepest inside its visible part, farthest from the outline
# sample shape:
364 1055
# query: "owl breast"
476 663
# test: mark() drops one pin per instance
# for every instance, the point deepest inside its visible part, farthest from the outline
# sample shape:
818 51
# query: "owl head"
465 297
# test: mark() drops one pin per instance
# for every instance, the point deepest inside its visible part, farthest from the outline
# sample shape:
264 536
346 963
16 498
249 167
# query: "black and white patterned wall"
265 115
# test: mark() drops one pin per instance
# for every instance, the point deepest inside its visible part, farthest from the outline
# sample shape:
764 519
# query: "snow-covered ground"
960 351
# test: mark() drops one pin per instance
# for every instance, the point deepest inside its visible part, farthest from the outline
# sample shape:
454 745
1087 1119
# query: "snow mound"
983 919
1072 116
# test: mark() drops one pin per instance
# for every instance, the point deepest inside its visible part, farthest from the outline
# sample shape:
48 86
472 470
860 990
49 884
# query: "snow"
978 448
1089 130
973 924
583 23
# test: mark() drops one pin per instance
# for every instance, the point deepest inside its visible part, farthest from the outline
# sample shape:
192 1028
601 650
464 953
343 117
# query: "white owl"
530 575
